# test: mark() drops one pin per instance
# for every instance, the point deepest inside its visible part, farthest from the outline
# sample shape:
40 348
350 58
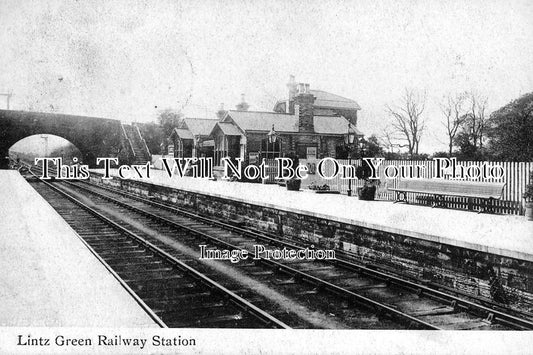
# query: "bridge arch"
93 136
49 145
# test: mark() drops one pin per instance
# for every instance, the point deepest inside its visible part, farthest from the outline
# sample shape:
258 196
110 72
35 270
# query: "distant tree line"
471 132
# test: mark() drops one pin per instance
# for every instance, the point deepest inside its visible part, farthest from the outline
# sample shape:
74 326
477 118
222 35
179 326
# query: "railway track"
397 303
406 303
305 293
172 293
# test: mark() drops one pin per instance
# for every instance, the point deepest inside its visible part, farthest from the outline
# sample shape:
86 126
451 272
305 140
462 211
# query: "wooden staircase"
141 153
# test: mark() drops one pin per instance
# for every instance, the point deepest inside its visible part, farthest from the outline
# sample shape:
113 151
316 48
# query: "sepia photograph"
266 177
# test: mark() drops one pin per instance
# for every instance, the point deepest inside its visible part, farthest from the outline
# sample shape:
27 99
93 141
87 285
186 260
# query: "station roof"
263 121
182 133
333 125
200 126
229 129
327 99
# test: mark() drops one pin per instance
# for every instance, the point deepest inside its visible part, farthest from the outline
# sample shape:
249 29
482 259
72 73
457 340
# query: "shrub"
528 194
294 184
363 171
368 191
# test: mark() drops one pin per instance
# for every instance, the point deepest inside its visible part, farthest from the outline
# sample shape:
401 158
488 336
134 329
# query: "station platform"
48 277
505 235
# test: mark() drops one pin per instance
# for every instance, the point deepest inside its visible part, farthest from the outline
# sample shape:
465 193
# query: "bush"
294 184
528 194
367 192
363 171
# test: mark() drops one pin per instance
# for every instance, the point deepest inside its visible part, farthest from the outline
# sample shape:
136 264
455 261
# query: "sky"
130 59
40 145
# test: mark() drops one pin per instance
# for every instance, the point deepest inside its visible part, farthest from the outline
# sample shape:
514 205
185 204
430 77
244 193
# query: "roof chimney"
243 106
303 88
221 112
304 102
291 85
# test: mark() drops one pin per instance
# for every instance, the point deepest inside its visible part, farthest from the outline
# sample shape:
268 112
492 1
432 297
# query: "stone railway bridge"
93 136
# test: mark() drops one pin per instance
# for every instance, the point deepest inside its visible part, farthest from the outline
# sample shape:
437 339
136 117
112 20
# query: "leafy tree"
421 156
168 119
511 130
395 156
467 149
372 147
153 135
441 155
471 135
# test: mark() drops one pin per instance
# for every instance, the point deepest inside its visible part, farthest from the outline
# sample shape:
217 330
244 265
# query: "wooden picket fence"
516 177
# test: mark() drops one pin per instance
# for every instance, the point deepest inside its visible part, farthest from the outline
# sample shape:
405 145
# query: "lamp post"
45 137
349 140
272 138
196 147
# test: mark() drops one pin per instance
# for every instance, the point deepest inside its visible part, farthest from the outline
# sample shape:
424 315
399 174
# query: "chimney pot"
221 112
243 105
292 86
291 79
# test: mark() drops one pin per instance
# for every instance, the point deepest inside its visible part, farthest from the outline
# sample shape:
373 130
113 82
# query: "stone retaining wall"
456 267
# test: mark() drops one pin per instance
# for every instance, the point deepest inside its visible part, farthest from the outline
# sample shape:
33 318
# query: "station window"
270 150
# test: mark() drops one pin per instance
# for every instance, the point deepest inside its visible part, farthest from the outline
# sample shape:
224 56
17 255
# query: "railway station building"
190 138
312 124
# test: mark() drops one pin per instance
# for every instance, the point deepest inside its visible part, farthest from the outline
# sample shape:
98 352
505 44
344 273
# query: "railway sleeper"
170 293
233 321
139 267
145 274
186 299
124 247
126 254
156 283
200 312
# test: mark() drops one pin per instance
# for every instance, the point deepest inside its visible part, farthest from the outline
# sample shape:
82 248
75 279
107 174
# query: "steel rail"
128 289
377 306
491 314
231 296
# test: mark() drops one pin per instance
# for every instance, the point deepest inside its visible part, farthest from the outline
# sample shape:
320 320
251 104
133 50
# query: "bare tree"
476 119
454 117
408 120
387 138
